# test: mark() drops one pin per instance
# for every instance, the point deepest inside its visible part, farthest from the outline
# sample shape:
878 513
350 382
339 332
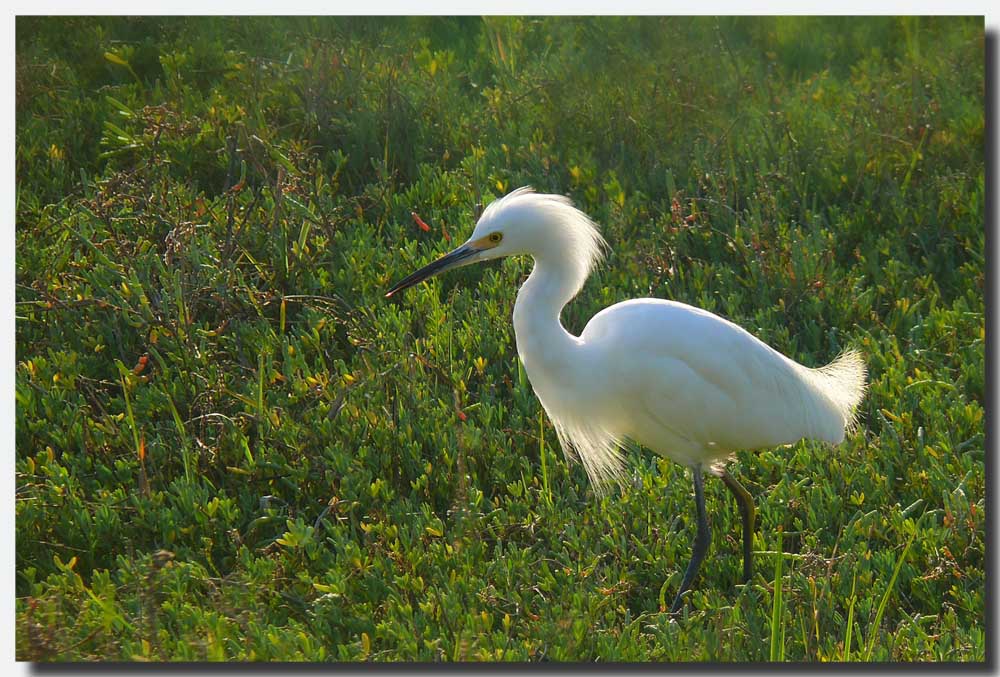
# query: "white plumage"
681 381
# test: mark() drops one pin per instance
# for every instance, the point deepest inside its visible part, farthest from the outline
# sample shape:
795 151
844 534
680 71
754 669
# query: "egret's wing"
701 381
712 405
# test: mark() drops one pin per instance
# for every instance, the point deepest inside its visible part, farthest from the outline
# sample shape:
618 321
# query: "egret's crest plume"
577 239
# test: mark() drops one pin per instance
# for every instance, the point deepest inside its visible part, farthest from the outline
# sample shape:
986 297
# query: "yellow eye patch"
489 241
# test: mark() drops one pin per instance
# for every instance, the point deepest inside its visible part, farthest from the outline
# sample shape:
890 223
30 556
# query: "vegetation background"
230 446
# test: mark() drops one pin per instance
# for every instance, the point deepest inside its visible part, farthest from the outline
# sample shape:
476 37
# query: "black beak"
453 259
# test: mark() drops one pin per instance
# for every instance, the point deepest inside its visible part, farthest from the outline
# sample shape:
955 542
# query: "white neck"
543 343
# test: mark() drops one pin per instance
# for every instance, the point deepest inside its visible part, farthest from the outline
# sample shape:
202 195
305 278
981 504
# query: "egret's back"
705 387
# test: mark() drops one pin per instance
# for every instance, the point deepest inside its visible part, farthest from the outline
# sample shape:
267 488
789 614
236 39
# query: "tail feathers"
842 383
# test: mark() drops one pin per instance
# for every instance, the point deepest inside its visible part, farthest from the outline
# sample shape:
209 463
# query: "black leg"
701 541
745 501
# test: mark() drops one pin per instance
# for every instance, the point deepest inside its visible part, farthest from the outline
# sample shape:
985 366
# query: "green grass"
230 446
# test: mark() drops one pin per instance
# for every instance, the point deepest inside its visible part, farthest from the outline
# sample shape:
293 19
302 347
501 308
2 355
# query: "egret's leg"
701 541
749 513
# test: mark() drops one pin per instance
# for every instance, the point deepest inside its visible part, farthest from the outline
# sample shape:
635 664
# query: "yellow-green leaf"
114 58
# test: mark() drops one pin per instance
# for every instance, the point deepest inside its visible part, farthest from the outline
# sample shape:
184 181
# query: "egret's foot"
675 608
701 542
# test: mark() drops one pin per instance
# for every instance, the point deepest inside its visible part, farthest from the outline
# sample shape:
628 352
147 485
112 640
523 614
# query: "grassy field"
230 446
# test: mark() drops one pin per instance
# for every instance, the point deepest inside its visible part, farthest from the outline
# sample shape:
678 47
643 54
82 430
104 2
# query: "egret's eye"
496 237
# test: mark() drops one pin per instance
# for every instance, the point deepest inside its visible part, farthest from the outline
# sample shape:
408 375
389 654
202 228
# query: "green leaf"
114 58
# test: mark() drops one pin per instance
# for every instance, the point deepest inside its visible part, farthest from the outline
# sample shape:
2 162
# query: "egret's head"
547 227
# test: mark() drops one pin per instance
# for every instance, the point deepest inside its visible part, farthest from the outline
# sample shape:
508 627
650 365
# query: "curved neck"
542 341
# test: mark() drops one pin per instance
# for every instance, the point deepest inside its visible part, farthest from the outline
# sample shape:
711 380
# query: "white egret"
681 381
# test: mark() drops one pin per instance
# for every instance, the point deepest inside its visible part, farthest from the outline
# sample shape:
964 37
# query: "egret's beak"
455 258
